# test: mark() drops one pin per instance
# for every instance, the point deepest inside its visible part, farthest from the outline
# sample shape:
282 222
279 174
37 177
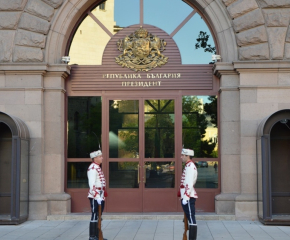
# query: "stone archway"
273 140
215 15
246 30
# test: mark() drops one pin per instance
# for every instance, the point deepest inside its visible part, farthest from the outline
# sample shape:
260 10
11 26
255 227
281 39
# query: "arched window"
182 22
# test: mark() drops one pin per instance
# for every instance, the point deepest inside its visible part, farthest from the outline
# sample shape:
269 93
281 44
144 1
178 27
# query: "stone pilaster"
54 135
229 139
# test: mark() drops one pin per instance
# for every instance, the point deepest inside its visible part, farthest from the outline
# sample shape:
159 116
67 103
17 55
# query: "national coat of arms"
141 51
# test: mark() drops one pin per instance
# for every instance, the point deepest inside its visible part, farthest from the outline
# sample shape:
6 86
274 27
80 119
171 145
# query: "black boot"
93 233
192 232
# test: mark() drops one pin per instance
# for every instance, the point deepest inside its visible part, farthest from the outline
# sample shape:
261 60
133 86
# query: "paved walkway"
143 230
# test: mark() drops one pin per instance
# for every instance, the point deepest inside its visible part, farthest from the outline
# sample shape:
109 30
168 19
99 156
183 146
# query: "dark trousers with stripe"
189 210
95 209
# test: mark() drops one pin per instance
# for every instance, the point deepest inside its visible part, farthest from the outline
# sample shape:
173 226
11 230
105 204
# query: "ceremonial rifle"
99 223
185 227
100 206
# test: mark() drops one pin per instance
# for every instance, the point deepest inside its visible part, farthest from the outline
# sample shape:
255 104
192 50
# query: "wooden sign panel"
111 76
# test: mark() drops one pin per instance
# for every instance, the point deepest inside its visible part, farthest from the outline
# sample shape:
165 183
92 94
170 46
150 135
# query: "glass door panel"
124 129
159 120
160 174
207 174
141 154
77 174
124 175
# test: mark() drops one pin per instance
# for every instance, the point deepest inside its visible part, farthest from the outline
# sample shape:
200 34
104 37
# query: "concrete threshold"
141 216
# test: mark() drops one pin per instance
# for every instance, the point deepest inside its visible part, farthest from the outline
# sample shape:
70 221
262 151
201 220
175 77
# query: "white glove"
99 200
184 202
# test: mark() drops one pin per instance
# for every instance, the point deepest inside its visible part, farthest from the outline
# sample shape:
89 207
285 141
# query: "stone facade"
253 39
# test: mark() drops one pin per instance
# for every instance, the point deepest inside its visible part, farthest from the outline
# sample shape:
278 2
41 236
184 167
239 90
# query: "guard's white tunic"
97 182
188 180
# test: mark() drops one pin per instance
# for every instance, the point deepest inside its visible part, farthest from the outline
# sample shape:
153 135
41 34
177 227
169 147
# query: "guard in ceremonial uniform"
97 191
187 192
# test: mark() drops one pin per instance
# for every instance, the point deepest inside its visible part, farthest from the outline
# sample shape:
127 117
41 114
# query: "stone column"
229 130
54 140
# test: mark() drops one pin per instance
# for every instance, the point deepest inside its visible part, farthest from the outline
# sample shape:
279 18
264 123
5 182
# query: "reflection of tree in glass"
124 120
127 165
159 128
91 123
194 124
211 109
84 118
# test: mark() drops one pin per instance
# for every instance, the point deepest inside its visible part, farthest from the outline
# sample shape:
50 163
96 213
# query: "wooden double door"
141 165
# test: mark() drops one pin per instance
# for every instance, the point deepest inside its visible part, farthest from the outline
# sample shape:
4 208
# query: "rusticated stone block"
26 38
54 3
12 5
6 44
27 54
241 7
288 35
273 3
40 9
252 36
277 17
287 50
228 2
250 20
254 52
276 37
9 20
34 24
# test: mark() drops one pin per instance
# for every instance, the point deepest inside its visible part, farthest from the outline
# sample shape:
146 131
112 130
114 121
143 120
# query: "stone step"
141 216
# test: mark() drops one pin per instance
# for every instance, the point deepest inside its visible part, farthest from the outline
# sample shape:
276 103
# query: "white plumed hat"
187 152
95 154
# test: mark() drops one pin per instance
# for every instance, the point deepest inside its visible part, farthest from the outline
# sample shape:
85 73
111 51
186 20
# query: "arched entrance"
273 165
14 163
142 110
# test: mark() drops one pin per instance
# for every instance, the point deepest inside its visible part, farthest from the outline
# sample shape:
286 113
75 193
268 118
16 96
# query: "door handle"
144 174
138 174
